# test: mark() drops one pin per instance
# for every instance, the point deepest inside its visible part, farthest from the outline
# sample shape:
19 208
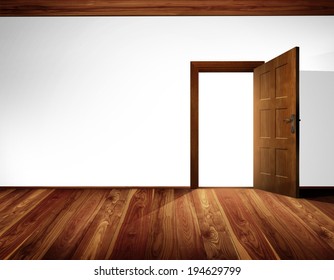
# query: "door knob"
291 120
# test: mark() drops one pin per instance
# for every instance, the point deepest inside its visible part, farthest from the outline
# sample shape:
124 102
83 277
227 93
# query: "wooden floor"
222 223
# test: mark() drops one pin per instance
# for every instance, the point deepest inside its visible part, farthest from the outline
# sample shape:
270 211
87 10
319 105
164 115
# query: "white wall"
316 128
105 101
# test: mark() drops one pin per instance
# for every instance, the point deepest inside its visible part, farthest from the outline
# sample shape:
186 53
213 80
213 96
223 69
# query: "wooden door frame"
197 67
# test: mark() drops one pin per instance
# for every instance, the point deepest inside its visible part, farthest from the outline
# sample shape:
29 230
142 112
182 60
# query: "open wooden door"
276 124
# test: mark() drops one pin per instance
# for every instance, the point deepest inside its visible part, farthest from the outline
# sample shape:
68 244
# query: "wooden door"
276 124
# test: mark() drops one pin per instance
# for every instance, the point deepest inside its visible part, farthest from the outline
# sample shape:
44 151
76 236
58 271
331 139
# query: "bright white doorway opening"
226 129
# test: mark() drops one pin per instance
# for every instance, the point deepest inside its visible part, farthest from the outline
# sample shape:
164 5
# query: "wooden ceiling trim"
165 7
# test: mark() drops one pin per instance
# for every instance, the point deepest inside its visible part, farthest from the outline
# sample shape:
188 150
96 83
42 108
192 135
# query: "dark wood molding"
207 66
165 7
225 66
315 191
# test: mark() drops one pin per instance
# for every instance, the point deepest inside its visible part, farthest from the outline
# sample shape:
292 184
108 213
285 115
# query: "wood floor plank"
11 200
14 237
163 223
215 233
24 203
39 243
69 239
5 192
246 230
313 247
132 237
315 219
242 252
274 228
324 204
101 232
189 240
161 240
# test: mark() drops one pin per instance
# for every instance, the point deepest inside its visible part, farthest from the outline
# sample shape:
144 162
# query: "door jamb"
207 66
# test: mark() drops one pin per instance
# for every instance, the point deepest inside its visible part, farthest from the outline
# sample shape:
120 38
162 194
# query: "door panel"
276 124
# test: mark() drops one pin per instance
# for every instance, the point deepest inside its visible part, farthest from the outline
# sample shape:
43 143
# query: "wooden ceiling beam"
165 7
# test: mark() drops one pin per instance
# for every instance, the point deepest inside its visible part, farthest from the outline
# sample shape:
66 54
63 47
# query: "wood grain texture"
165 7
36 246
25 201
217 239
324 203
249 233
275 146
274 228
161 240
321 224
132 238
101 232
70 236
190 244
4 192
312 246
8 198
15 235
164 223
